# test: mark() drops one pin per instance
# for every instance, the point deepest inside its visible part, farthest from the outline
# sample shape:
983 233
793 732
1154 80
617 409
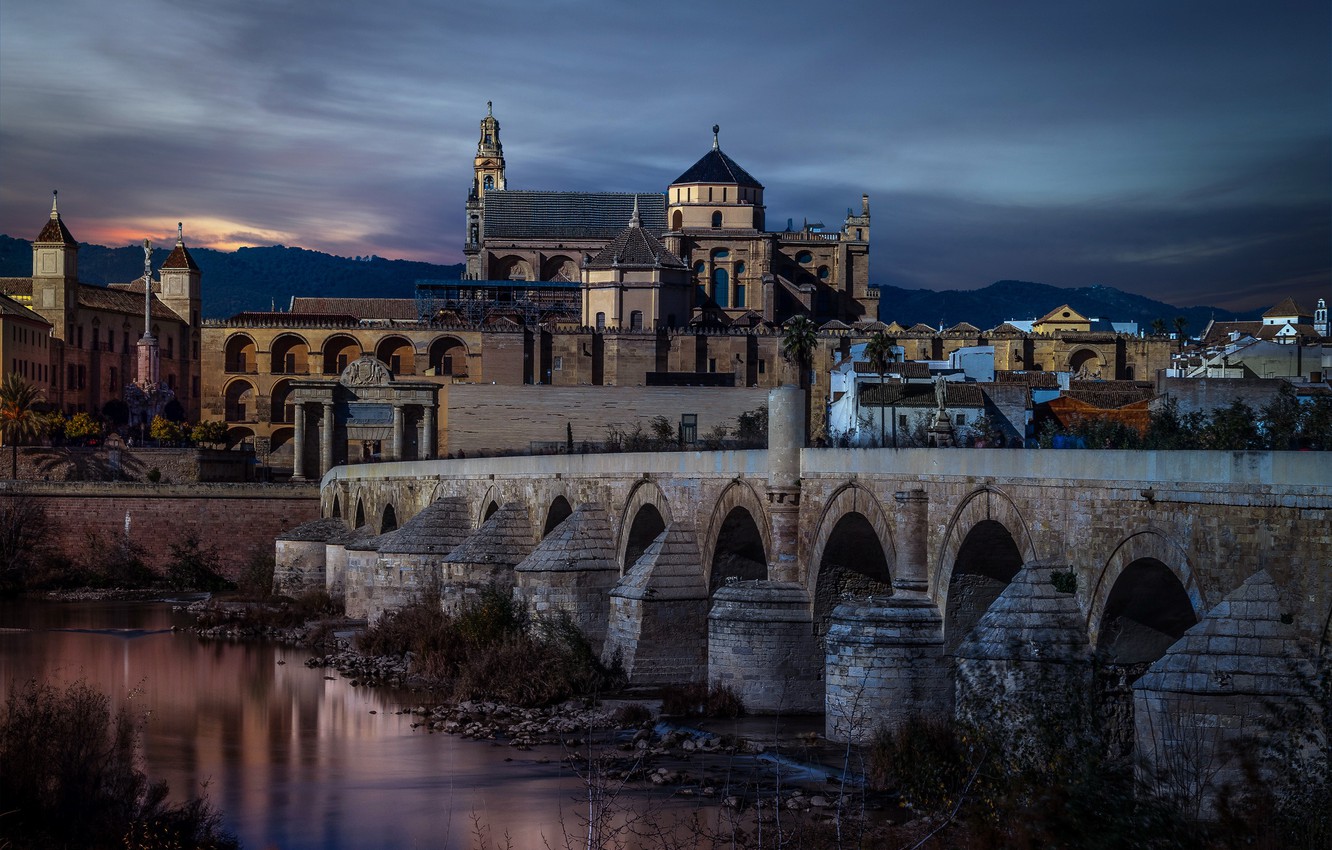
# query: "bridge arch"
739 534
984 545
360 512
645 513
336 511
1147 557
388 520
853 522
557 512
490 503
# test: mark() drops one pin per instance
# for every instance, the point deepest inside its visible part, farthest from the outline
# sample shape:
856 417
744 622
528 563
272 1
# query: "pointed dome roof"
717 167
583 542
315 531
669 569
180 257
55 231
636 248
1030 621
505 538
437 530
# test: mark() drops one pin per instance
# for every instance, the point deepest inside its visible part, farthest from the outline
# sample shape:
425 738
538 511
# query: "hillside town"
583 317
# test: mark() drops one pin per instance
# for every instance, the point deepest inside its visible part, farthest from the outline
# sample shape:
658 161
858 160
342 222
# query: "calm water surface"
294 760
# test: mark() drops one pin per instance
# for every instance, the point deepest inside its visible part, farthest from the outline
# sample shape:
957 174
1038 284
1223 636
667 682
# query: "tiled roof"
963 328
895 328
1057 315
180 258
512 214
1035 380
16 286
920 328
10 307
583 542
316 530
121 301
635 247
717 167
1109 395
504 539
1004 329
909 369
361 308
55 231
1288 307
921 395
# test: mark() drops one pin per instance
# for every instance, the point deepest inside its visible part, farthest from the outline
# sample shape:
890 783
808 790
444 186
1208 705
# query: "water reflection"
294 760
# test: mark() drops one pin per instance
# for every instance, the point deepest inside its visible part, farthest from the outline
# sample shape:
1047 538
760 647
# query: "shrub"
256 578
194 567
82 427
698 699
632 714
70 779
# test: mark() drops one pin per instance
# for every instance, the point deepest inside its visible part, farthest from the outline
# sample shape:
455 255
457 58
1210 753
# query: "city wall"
239 520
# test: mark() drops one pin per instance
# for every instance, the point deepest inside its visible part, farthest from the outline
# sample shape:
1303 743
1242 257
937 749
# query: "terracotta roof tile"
1287 307
121 301
361 308
635 247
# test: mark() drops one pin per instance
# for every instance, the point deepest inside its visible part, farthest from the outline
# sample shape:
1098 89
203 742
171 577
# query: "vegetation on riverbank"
68 779
492 649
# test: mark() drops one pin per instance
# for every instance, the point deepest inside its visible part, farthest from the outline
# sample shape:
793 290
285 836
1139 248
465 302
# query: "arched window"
721 254
601 321
804 257
490 182
719 286
677 220
739 269
636 320
716 218
700 278
824 272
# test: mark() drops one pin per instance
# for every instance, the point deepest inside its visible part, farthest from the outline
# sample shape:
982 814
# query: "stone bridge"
855 580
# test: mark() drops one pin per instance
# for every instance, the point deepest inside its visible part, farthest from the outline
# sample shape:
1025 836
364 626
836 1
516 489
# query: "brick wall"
238 519
494 418
174 466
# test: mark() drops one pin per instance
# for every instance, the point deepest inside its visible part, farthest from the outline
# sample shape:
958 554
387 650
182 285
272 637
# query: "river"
294 758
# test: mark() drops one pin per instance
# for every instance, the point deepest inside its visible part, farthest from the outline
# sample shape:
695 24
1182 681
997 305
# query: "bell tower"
489 163
55 273
487 176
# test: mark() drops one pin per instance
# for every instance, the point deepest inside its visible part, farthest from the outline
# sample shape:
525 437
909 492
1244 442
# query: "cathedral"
707 237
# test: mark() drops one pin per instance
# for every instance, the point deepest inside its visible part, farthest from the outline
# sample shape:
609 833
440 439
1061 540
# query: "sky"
1180 150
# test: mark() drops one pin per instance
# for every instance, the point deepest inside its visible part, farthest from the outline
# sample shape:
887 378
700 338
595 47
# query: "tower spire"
55 213
716 130
634 220
180 233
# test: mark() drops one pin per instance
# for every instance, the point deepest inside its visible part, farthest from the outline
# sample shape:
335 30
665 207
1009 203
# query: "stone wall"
174 466
240 520
495 418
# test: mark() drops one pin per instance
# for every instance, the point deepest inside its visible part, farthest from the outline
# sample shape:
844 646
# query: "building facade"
94 332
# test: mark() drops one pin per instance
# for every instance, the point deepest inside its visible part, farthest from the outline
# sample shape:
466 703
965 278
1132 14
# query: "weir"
859 582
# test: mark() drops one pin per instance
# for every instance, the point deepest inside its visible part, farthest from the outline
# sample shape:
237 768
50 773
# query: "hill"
1019 299
249 278
259 278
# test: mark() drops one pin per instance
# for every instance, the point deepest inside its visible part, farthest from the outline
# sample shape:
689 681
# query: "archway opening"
390 520
397 354
337 508
360 513
986 562
490 511
283 411
1147 611
448 357
1083 359
240 354
739 552
559 511
647 526
291 356
338 352
240 405
853 563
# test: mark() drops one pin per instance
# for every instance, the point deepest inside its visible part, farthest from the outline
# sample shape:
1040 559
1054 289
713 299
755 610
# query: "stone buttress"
409 564
487 557
299 559
572 571
658 613
1208 702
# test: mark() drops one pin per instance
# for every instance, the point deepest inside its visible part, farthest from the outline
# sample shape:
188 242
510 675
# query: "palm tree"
799 339
20 422
879 353
1180 324
1158 327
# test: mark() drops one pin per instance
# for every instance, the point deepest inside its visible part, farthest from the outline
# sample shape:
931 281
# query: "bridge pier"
761 644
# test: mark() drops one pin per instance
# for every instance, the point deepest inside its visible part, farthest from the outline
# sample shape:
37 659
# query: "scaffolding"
477 301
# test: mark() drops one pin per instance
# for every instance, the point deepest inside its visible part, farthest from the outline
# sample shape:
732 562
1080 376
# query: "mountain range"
267 278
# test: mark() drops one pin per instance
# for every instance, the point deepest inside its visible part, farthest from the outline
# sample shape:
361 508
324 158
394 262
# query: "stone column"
326 440
298 444
397 432
786 438
911 575
420 439
429 413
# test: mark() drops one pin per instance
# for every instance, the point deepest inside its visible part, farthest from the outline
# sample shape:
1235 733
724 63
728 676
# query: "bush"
194 567
256 578
70 779
632 714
